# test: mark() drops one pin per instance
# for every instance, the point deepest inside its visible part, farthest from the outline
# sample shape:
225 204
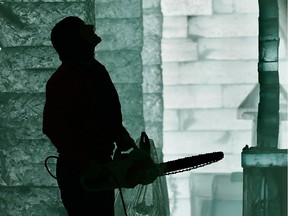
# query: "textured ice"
123 65
29 23
117 9
27 60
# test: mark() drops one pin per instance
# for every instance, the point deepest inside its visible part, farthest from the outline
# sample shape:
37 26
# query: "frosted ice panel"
155 131
153 109
152 24
124 66
24 80
184 7
45 1
26 151
20 116
131 98
23 162
152 79
28 175
151 4
134 125
13 58
120 34
29 24
151 53
27 201
118 9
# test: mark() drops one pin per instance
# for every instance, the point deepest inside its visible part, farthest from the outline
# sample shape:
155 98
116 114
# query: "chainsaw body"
139 168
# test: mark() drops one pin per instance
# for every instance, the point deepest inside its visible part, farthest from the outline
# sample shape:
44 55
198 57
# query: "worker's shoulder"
65 77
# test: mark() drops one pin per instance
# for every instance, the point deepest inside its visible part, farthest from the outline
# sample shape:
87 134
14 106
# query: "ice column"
265 166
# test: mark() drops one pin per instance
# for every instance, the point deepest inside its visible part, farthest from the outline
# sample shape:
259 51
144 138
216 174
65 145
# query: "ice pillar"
265 166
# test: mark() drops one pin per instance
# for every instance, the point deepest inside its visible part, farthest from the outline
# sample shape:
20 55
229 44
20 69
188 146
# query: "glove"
124 148
143 170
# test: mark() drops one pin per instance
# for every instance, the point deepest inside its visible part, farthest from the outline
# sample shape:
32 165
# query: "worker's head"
73 39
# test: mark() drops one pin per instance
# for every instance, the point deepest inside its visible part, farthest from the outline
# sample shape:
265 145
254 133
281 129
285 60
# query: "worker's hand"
124 147
142 171
124 141
121 154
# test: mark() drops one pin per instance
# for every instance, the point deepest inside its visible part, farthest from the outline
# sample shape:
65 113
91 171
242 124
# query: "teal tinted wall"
27 60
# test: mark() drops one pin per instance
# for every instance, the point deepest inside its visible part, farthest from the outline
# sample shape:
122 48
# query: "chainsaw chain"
189 168
189 163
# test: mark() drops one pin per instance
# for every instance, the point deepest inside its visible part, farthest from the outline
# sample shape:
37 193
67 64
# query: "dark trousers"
76 200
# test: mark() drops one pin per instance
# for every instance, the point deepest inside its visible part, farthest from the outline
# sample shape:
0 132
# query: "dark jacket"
82 113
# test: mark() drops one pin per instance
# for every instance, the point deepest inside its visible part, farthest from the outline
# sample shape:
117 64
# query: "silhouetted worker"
82 116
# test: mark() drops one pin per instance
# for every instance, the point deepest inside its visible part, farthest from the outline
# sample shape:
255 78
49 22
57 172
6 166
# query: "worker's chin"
96 40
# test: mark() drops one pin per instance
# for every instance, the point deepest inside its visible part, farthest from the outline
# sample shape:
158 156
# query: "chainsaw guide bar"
189 163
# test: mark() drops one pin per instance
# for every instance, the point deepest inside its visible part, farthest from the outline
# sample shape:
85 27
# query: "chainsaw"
137 168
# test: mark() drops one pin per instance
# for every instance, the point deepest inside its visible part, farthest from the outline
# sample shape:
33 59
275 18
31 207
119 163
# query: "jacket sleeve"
125 141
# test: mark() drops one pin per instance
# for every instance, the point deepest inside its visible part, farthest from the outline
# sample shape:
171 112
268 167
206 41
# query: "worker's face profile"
88 34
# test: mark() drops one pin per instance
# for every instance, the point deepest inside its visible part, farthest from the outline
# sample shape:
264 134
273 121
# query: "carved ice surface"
131 52
27 60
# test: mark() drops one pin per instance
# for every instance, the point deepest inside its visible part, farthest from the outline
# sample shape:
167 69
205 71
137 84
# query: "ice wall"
27 61
152 70
210 57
